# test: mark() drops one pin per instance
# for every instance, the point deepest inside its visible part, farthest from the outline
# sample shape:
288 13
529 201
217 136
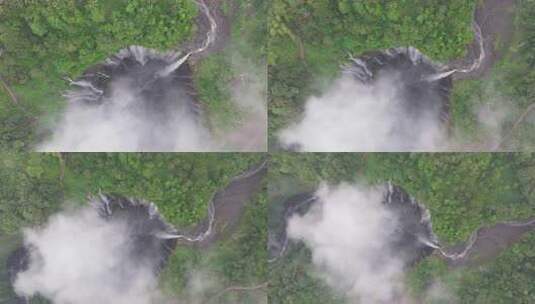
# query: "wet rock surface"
278 222
418 89
17 262
413 239
144 225
143 222
139 69
495 18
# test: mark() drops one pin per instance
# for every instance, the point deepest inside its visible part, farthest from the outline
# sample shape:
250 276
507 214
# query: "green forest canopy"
462 191
37 185
45 39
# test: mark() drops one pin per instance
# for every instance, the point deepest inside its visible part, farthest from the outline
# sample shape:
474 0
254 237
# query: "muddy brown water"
491 241
222 36
230 202
496 20
145 224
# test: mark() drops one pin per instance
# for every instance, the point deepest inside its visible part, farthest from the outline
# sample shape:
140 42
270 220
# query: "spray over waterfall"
113 254
136 100
413 236
361 238
391 100
113 250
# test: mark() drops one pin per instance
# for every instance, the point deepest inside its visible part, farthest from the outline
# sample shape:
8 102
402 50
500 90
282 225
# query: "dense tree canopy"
462 191
37 185
308 40
65 37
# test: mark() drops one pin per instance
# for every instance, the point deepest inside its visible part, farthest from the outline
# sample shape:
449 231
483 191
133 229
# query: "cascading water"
361 70
225 207
143 225
210 37
136 100
145 239
151 66
417 94
382 102
413 239
143 220
476 64
487 242
414 225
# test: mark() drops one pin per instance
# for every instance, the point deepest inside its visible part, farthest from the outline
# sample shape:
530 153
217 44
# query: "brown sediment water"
486 243
493 21
225 208
151 239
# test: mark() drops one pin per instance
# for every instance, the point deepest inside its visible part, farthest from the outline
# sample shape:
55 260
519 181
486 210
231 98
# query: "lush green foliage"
314 37
462 191
43 41
242 58
65 37
31 190
508 88
507 280
440 29
36 185
181 185
238 261
292 281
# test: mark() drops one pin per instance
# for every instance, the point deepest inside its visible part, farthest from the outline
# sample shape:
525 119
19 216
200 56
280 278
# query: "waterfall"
210 37
474 66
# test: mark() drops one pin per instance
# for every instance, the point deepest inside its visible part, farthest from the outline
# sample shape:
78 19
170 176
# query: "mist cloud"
80 258
352 116
143 100
125 122
349 233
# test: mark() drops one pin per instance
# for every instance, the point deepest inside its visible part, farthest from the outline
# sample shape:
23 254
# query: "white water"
201 236
84 84
210 37
474 66
211 213
471 241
